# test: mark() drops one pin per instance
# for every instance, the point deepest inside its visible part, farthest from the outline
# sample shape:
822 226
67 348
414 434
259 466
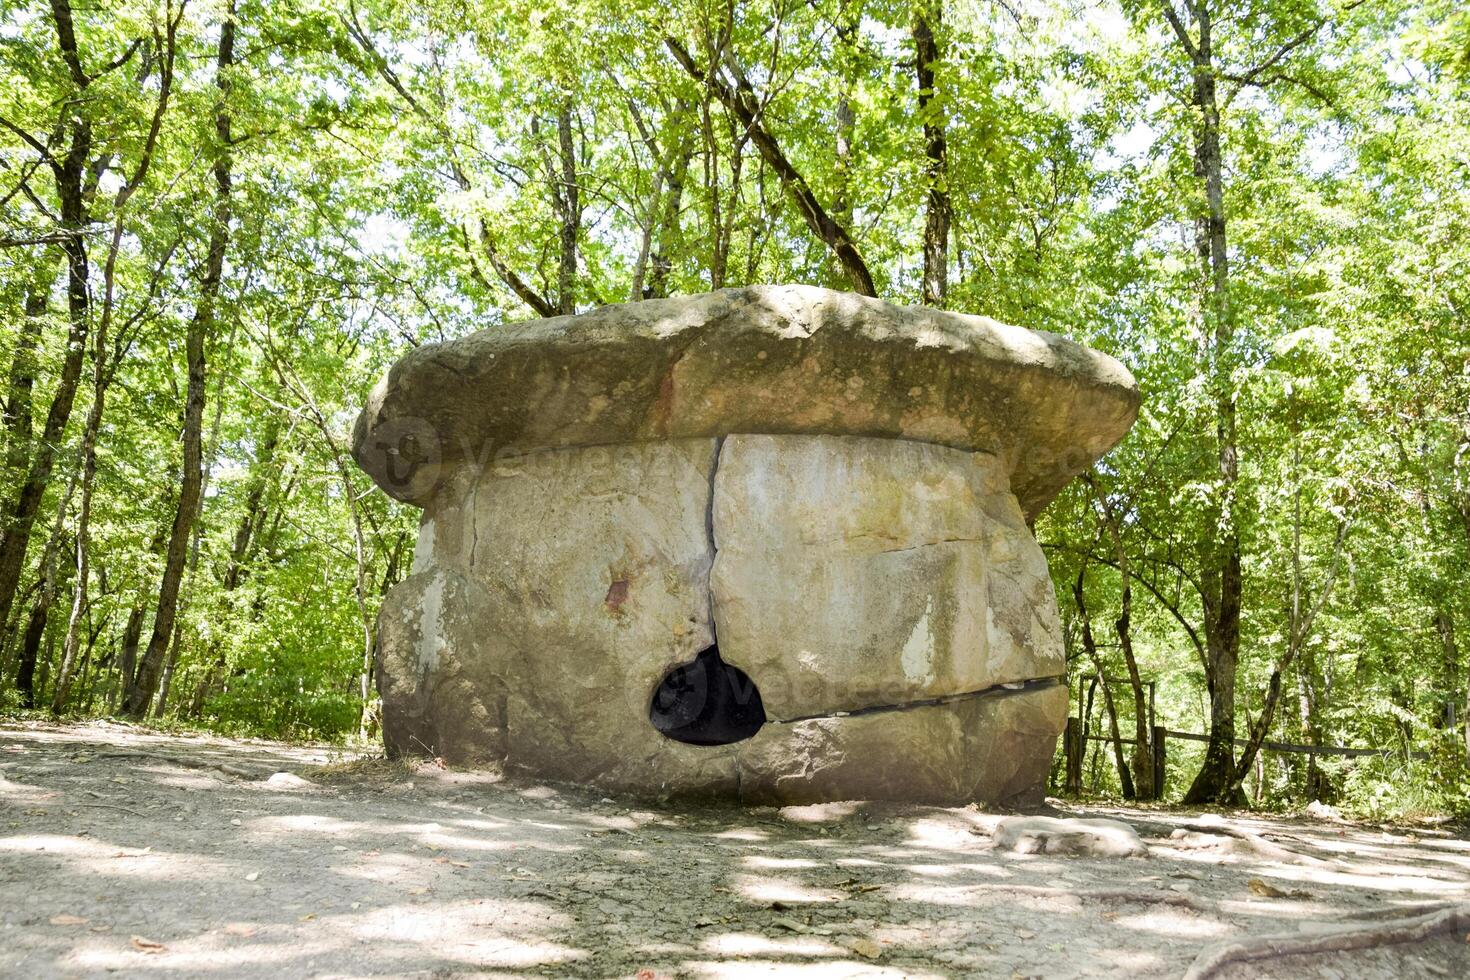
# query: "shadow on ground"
126 852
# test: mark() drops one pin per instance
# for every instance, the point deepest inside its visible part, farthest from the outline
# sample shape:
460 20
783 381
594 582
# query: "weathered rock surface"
854 573
553 592
761 544
994 747
567 584
442 696
776 359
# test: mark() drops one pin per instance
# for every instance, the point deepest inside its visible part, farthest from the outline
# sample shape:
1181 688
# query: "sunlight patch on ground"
767 889
23 794
969 895
826 970
1325 878
934 870
754 944
365 880
1174 923
777 863
106 860
190 781
1123 961
742 834
944 835
490 932
859 862
209 953
819 812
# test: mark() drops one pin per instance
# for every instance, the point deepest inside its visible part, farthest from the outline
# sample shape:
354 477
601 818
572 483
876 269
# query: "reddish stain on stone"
617 594
663 407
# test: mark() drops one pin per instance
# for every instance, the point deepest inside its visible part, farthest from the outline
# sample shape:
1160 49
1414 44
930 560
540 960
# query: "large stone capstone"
767 543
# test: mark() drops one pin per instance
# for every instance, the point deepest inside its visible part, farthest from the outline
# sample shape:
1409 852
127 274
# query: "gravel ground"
128 853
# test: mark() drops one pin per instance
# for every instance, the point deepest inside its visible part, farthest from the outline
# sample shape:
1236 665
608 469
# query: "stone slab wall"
885 596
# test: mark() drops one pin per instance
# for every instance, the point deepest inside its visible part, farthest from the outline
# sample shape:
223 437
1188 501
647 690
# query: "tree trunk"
69 175
150 670
127 661
175 648
1462 505
740 101
47 587
19 418
1300 621
25 671
1221 550
927 20
102 375
101 379
570 200
848 25
1089 645
1143 749
1143 752
242 549
669 227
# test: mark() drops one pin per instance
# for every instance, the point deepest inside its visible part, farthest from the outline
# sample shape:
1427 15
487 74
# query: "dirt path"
123 853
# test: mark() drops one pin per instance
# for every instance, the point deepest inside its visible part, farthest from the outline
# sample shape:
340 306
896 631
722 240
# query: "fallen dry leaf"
66 919
148 945
418 891
307 917
1265 890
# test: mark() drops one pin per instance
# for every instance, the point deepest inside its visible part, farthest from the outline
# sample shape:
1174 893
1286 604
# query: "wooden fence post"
1075 748
1159 760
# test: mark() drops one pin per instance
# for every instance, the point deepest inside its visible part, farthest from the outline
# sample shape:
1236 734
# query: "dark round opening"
707 702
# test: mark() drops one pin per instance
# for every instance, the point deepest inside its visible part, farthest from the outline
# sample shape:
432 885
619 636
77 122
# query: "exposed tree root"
185 762
1215 958
1397 912
1138 896
1255 843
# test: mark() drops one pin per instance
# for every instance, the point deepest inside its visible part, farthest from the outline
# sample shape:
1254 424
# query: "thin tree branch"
742 104
1179 29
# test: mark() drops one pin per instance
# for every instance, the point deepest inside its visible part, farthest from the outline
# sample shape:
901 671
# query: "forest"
221 221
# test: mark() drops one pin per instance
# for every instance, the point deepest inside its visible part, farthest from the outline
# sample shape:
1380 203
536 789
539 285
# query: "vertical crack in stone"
714 548
475 518
708 702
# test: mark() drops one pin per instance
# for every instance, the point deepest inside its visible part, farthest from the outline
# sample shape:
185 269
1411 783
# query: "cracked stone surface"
879 593
781 359
855 572
827 496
